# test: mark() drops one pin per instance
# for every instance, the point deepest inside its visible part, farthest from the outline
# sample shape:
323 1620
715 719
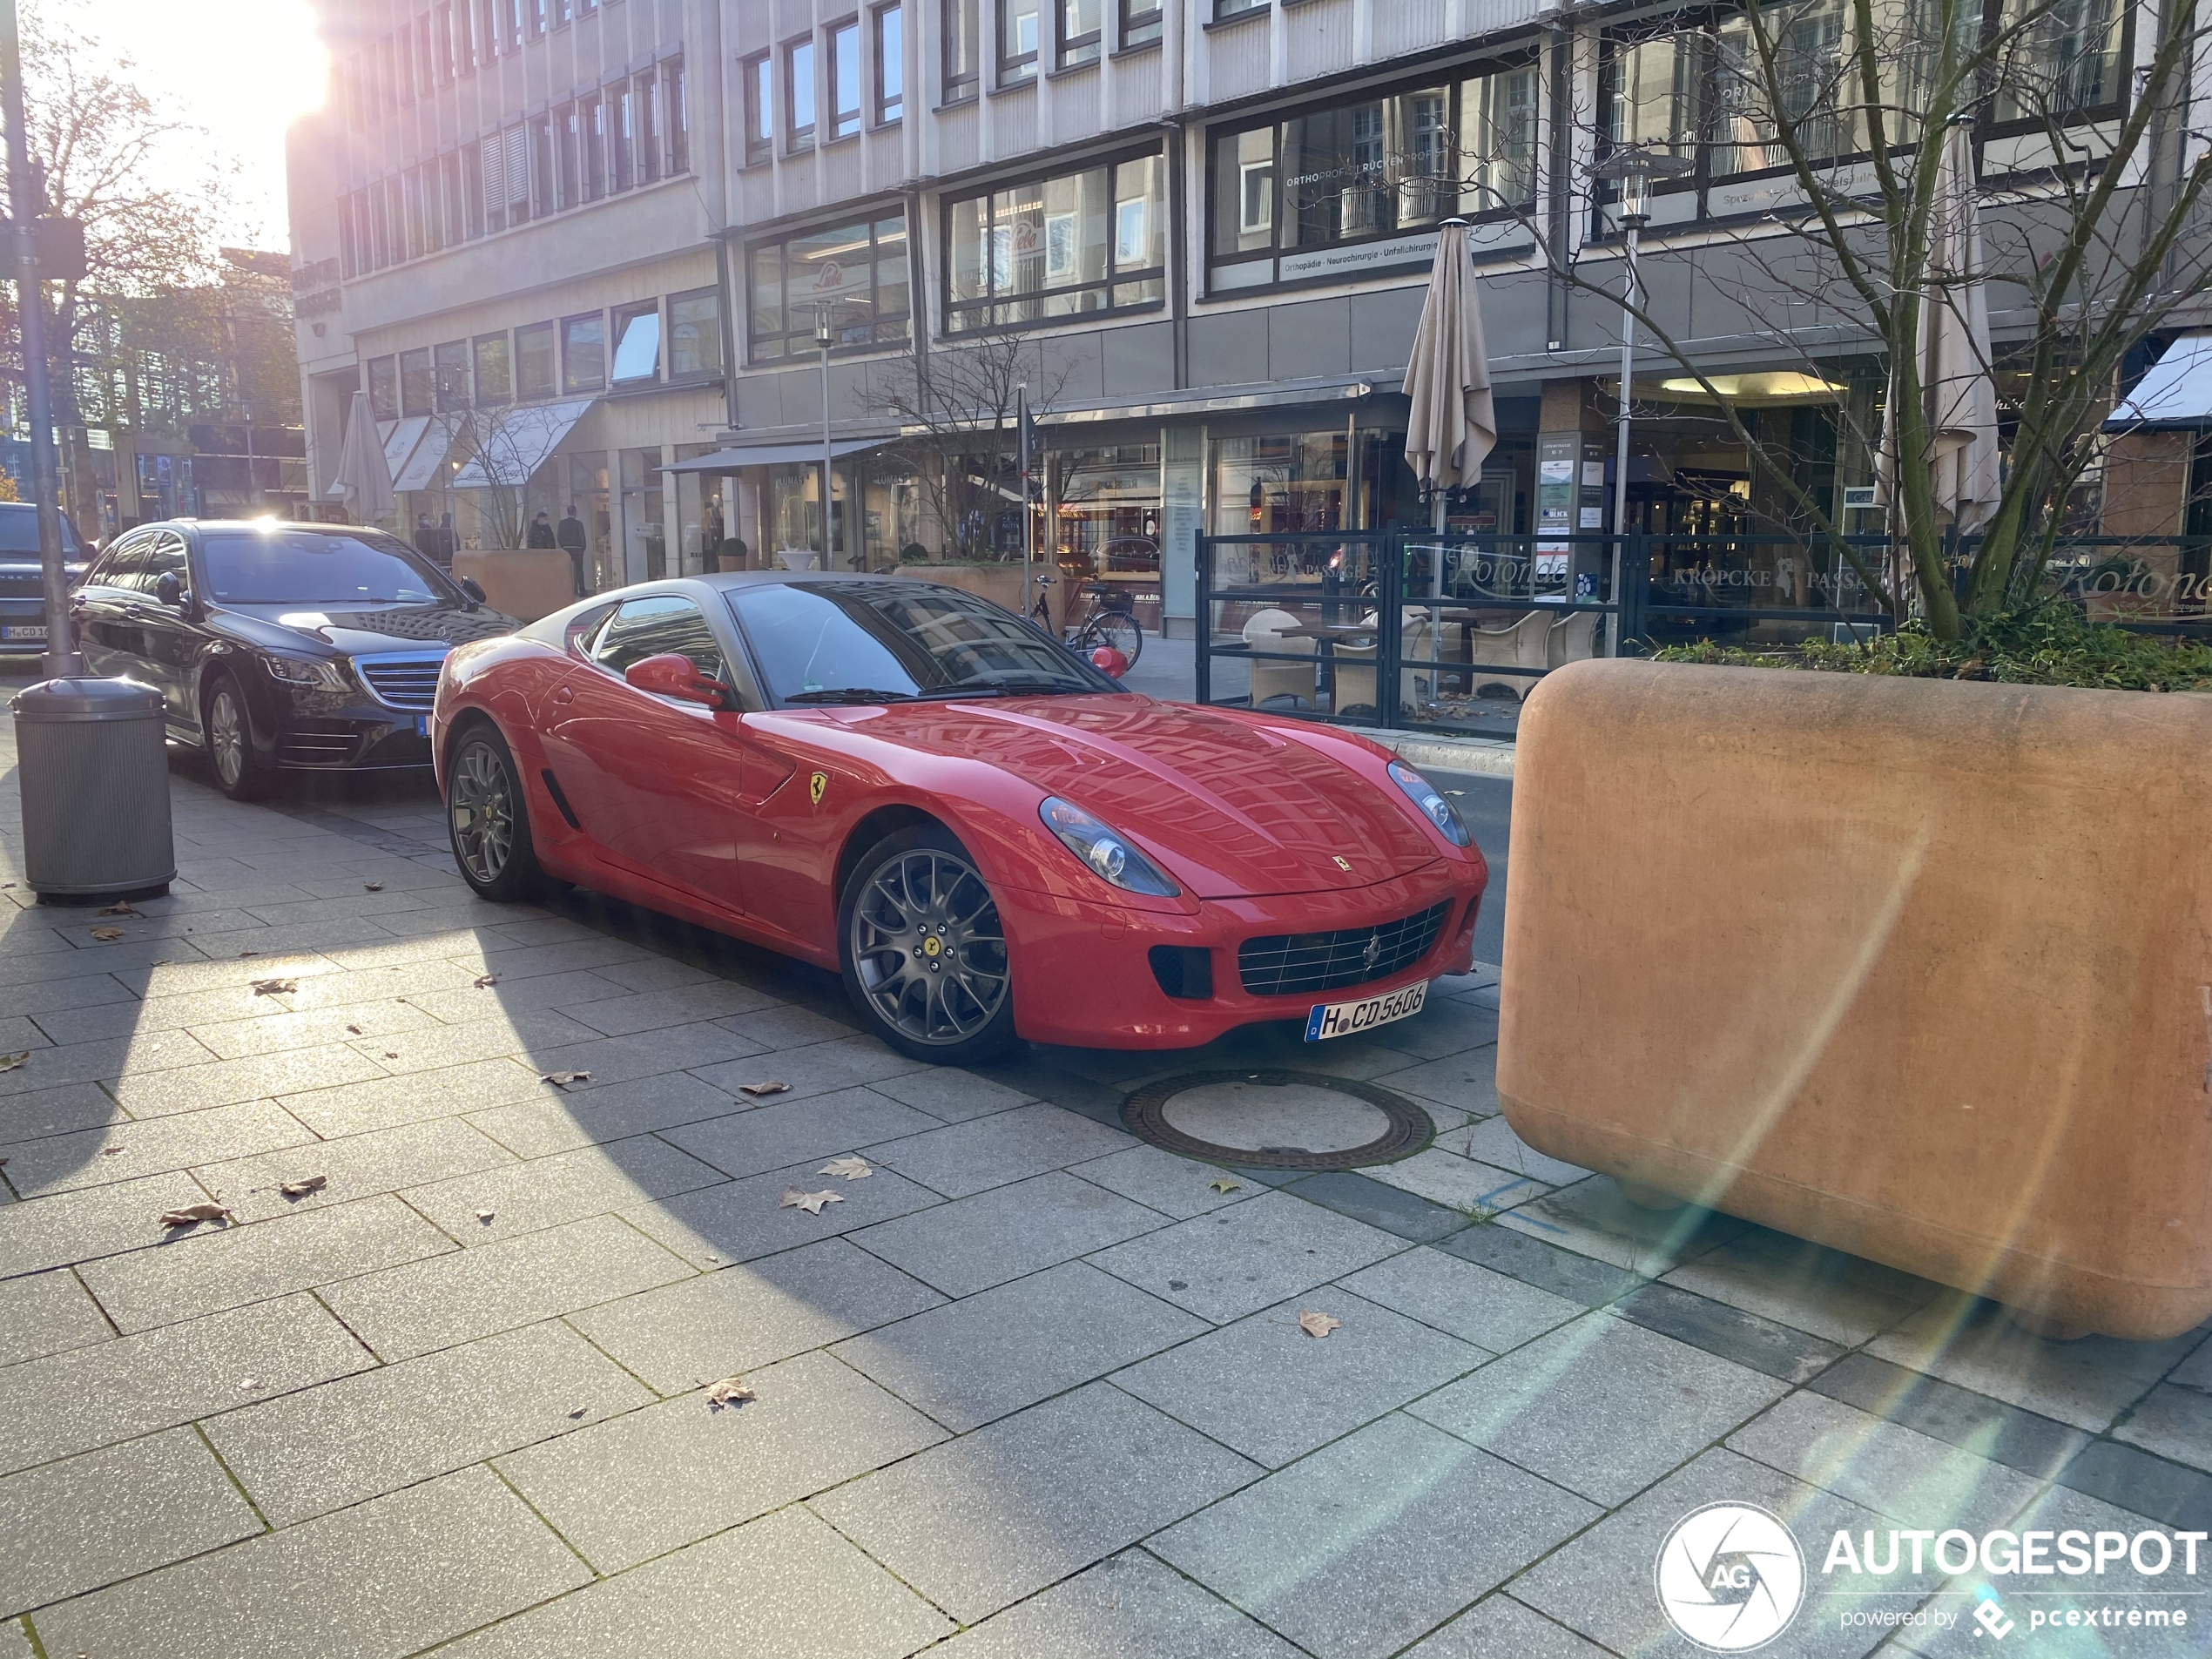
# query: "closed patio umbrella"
364 476
1453 427
1964 473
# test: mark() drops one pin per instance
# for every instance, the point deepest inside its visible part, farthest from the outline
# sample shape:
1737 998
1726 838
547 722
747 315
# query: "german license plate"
24 631
1342 1019
421 725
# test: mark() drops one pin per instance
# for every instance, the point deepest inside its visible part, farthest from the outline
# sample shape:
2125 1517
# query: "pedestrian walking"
569 535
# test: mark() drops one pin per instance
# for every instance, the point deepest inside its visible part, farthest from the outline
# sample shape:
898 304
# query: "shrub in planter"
1918 968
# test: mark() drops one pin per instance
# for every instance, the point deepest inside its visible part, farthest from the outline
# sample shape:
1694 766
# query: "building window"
583 352
622 130
676 95
418 383
543 200
889 50
466 53
387 74
535 11
963 50
494 377
637 336
760 109
799 97
645 100
1017 41
591 137
348 249
512 23
1071 245
1141 23
442 40
695 333
384 389
472 192
404 64
1080 31
534 367
452 187
1289 197
451 362
857 270
565 135
845 79
1225 10
425 68
411 194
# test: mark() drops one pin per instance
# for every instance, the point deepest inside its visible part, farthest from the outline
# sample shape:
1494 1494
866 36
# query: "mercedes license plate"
1342 1019
24 631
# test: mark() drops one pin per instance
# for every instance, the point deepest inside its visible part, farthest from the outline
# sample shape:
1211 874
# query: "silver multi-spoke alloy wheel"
227 735
482 811
927 943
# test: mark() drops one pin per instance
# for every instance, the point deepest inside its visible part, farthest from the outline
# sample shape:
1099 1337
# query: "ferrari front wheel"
488 821
924 952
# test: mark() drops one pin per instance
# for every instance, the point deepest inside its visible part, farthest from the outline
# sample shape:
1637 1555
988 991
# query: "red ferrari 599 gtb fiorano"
983 834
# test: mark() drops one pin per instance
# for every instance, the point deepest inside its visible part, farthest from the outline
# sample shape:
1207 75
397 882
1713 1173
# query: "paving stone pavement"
1033 1390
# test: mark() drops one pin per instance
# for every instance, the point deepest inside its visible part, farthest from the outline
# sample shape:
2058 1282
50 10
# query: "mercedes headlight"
294 670
1108 855
1439 811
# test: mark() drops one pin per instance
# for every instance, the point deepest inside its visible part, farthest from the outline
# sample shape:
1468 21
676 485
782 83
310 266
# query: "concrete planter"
1919 970
526 582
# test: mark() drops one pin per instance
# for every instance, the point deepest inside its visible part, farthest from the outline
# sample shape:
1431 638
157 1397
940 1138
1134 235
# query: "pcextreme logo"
1731 1577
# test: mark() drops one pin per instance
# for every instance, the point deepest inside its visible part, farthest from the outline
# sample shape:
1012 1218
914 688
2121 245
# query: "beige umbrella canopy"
364 476
1964 472
1452 427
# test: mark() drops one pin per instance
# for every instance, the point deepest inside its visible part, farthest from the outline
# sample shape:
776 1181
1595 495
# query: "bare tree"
958 406
2093 224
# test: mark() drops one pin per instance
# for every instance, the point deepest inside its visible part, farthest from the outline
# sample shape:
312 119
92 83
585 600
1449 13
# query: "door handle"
566 694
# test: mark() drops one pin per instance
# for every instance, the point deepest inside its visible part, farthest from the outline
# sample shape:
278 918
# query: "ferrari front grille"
410 683
1296 964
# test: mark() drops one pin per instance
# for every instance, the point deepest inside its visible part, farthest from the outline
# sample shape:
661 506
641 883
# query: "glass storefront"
703 516
644 530
1107 514
586 493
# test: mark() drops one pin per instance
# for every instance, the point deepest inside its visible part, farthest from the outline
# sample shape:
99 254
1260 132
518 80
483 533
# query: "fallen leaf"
249 1384
304 1185
811 1202
728 1392
1455 792
275 986
758 1090
373 887
121 907
110 1151
9 1061
391 1054
107 935
851 1169
563 1079
5 886
1315 1323
354 1029
579 1411
485 1215
243 954
1226 1185
192 1214
484 980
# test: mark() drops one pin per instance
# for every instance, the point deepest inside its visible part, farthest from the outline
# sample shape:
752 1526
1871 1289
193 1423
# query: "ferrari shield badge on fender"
817 786
1343 863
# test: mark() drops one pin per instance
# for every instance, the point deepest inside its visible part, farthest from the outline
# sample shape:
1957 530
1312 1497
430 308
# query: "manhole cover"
1277 1120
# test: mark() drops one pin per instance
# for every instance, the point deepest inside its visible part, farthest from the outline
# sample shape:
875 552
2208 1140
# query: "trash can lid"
87 699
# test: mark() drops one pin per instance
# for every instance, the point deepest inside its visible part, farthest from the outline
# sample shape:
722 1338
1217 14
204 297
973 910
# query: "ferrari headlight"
1439 811
1109 856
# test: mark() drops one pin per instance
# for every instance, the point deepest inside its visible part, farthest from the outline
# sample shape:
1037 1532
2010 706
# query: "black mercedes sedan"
280 645
22 593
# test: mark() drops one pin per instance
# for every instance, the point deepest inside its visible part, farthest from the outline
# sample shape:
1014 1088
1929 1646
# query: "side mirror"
170 590
1110 662
473 589
674 674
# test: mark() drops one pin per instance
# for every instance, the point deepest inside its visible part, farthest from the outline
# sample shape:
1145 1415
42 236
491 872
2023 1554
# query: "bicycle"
1110 621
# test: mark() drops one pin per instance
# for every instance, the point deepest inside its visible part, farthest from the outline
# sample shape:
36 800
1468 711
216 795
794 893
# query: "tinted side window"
165 557
583 629
123 564
648 627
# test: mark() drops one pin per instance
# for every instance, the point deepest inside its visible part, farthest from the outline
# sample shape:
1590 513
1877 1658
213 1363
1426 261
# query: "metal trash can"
93 769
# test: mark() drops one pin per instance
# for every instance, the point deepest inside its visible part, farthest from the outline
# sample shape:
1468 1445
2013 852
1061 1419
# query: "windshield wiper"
849 694
1044 685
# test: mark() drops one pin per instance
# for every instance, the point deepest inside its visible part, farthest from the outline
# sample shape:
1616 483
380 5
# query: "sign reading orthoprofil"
1731 1578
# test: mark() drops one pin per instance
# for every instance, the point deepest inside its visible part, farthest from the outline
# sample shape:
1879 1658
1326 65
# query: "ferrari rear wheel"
924 952
489 823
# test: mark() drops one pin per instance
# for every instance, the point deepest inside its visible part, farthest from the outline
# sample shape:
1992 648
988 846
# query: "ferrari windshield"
317 567
883 642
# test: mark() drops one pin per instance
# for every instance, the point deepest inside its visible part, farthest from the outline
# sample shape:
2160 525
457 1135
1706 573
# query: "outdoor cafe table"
1330 634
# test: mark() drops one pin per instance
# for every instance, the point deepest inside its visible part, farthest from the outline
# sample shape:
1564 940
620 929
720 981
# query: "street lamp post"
1633 169
822 332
